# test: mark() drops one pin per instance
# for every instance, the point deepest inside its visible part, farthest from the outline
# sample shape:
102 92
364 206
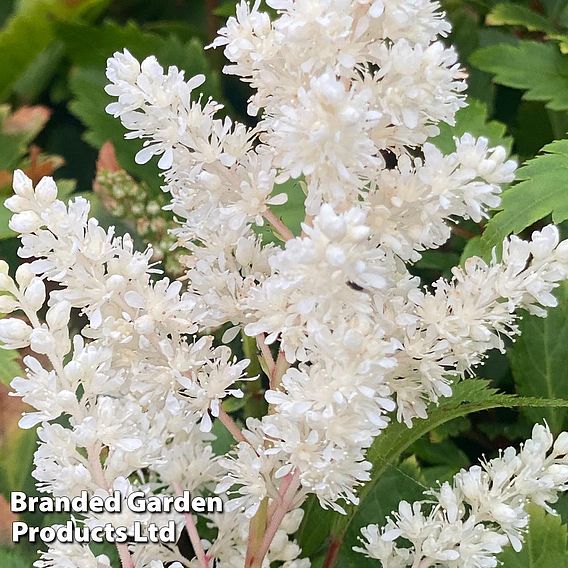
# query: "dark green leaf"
508 14
475 120
539 69
29 31
538 360
469 396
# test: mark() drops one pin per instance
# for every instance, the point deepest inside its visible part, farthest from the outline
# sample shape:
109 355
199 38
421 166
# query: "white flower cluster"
346 334
467 523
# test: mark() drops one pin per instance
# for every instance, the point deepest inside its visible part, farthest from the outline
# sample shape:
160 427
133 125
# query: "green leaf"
475 120
469 396
9 365
10 558
472 248
30 31
16 460
508 14
223 439
5 215
88 82
403 482
542 191
545 543
540 69
538 360
89 102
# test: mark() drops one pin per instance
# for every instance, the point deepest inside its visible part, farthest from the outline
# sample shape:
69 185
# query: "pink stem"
193 534
94 457
124 555
265 350
276 519
229 423
279 369
282 229
284 484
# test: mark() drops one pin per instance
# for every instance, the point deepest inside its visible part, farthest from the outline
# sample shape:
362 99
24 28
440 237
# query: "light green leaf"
5 215
9 365
10 558
508 14
538 360
545 543
30 31
540 69
475 120
469 396
543 191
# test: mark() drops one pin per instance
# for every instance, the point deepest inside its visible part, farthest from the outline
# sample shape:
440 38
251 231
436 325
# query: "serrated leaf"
540 69
538 360
542 191
508 14
545 543
473 395
475 120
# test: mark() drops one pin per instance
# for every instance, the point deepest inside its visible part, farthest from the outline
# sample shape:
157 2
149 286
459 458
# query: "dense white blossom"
467 522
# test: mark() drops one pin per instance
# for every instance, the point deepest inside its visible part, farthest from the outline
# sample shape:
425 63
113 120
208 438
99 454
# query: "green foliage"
5 232
16 459
10 558
399 483
469 396
88 81
537 68
30 31
473 119
509 14
546 543
292 212
542 192
9 365
538 360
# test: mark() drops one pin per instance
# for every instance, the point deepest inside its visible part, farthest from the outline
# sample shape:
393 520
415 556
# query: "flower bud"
14 333
34 296
25 222
6 282
144 325
24 275
42 341
57 317
7 304
46 191
561 444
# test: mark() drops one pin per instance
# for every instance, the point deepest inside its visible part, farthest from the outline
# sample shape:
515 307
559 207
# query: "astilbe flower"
470 520
340 86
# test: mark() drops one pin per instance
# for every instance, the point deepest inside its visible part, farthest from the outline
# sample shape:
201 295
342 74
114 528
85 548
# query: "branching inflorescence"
348 337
